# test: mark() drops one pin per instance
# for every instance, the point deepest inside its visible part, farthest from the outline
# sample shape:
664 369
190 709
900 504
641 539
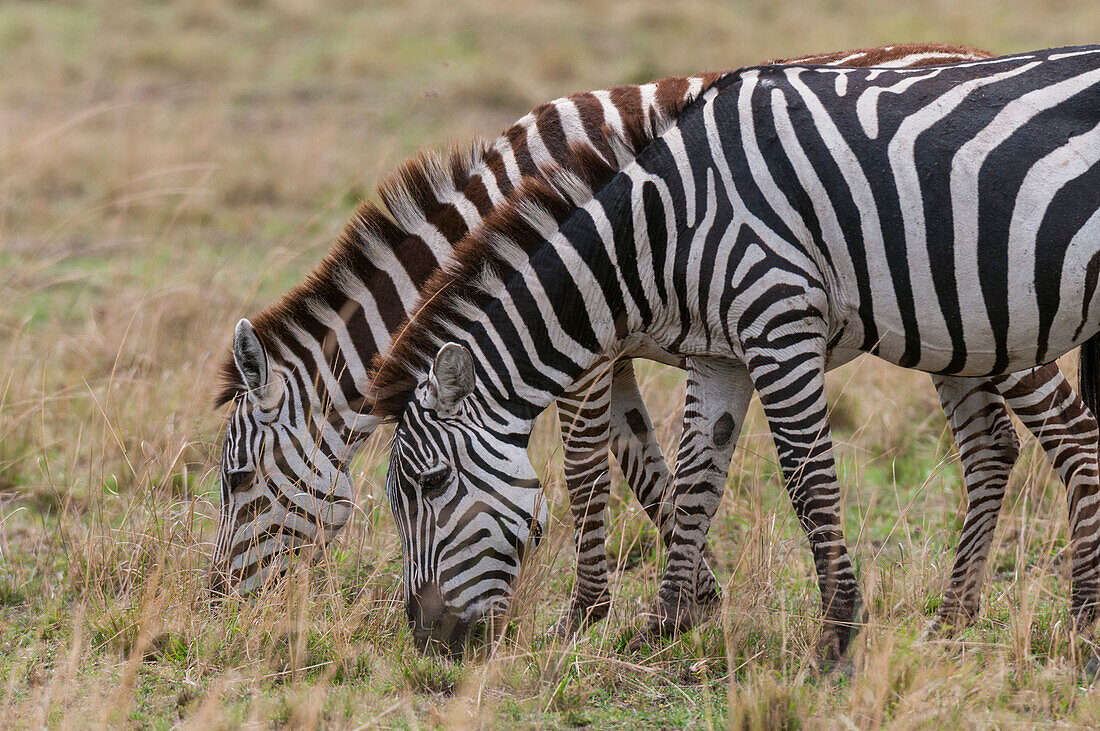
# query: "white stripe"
649 109
508 155
489 180
674 138
610 111
966 168
867 104
695 87
571 123
383 257
539 152
1071 54
338 327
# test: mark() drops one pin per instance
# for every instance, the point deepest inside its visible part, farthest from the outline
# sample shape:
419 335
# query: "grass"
166 168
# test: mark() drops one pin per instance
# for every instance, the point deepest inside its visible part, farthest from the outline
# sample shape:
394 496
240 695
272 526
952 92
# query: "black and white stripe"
943 218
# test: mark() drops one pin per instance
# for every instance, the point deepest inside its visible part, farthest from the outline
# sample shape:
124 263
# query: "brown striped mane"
934 54
367 245
416 193
377 238
461 287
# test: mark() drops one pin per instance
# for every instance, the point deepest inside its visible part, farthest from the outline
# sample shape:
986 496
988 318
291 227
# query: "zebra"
295 375
782 223
283 398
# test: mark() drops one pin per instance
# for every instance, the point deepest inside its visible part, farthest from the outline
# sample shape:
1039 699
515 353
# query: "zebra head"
466 501
285 486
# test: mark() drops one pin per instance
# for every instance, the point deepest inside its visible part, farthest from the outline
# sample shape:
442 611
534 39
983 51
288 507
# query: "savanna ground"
170 167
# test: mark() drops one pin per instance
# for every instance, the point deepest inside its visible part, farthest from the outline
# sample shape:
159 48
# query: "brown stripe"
495 163
376 279
418 260
412 180
670 95
548 123
628 100
478 194
517 138
450 223
590 111
460 175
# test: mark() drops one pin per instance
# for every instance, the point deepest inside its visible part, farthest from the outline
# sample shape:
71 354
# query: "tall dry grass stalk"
168 168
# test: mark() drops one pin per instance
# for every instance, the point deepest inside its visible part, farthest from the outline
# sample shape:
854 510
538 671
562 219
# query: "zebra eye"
239 479
435 479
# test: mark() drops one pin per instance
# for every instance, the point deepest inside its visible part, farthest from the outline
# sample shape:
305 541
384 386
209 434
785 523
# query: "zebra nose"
425 609
219 582
534 537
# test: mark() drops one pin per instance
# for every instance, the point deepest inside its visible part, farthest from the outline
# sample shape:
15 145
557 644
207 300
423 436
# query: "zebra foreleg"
583 415
988 449
718 394
789 375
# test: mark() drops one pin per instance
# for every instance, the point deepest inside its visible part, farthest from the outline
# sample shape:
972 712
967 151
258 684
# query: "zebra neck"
325 357
568 310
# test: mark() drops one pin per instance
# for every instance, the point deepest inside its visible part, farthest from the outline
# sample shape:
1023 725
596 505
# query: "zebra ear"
251 360
451 378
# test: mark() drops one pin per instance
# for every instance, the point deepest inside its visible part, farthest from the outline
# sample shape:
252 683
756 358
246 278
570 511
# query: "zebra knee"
1003 434
996 447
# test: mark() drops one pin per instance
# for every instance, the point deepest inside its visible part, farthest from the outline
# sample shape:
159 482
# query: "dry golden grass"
167 168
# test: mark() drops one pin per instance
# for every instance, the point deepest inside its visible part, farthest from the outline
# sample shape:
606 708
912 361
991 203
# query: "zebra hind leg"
1067 430
634 444
988 448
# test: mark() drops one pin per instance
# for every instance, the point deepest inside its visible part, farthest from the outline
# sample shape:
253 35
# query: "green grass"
166 168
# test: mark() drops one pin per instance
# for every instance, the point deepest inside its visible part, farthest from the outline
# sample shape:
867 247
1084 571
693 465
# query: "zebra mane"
371 241
909 55
459 290
374 238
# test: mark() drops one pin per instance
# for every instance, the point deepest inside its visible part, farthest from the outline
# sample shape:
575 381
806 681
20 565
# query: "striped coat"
792 215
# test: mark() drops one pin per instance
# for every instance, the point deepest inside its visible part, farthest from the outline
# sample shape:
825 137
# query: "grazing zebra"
296 375
295 425
794 213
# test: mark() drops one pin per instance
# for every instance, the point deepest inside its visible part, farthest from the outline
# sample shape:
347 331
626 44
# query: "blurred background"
169 167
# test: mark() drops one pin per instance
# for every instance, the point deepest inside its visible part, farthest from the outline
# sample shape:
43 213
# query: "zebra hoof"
637 642
950 619
938 630
1092 668
843 667
834 647
664 622
564 629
